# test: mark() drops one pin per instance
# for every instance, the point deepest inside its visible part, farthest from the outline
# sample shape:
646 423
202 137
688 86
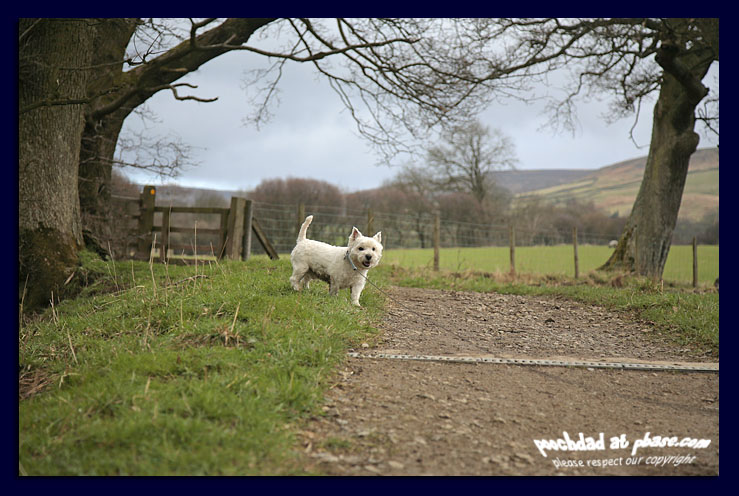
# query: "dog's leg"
299 272
333 287
306 279
357 292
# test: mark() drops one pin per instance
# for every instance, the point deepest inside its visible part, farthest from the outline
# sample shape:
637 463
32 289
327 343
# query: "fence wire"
406 230
400 231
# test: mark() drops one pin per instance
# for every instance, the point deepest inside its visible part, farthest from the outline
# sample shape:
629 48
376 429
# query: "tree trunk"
52 53
645 242
100 136
96 168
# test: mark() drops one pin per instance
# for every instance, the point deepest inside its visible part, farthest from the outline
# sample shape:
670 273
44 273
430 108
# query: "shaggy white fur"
341 267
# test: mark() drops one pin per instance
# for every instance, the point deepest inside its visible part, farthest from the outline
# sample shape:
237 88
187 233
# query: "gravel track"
392 417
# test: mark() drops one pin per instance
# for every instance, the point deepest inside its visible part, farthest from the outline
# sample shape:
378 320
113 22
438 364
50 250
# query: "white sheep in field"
613 243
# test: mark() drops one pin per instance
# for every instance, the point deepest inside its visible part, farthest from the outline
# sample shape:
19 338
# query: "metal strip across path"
635 365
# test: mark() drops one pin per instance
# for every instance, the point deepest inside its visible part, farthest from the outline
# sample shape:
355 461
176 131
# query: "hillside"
614 187
522 181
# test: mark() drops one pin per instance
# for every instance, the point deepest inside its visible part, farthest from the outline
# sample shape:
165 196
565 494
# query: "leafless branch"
174 87
400 78
165 156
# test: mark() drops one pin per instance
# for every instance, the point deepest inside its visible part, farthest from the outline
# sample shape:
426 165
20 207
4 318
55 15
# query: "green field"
553 260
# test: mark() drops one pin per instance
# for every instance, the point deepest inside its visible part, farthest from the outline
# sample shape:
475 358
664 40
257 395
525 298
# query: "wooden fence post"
262 237
574 244
246 243
370 223
146 222
437 240
223 236
695 262
164 245
235 228
513 250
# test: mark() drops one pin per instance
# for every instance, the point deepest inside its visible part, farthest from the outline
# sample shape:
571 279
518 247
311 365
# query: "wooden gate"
234 234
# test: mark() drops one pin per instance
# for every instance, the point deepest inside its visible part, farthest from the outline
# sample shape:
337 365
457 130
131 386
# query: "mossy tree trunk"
52 55
645 242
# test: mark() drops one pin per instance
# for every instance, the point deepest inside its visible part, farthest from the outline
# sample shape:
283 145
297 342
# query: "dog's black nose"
368 257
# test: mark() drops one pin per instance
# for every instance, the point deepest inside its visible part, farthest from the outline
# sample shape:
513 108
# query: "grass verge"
165 370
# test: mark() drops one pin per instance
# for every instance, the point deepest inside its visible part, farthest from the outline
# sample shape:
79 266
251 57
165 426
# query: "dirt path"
393 417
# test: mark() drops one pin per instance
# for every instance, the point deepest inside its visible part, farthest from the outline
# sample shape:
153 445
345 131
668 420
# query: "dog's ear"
355 234
378 237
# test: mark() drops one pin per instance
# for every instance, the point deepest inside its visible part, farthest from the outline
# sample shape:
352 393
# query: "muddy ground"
399 417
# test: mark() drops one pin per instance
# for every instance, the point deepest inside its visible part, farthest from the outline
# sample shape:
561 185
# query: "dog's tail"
304 228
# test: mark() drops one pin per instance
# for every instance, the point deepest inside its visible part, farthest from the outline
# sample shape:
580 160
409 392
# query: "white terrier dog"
341 267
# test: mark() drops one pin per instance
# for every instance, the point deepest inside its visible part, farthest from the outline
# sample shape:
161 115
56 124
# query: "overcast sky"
311 135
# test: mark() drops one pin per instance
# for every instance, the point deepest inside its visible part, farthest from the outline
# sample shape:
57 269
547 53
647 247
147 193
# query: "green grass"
184 372
554 260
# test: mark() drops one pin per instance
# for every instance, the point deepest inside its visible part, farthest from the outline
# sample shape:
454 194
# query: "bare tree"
466 160
166 156
631 59
293 191
416 183
122 186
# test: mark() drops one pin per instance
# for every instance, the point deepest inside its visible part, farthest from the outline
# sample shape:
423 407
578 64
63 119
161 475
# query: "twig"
69 337
233 324
213 254
151 265
53 310
23 299
191 278
112 262
148 326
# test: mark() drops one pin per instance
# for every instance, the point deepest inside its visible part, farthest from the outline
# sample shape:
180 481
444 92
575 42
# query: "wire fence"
418 238
408 231
402 231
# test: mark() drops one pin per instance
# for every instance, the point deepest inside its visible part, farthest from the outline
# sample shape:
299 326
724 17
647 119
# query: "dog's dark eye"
361 249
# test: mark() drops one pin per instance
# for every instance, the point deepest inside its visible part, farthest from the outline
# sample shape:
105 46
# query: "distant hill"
522 181
614 187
